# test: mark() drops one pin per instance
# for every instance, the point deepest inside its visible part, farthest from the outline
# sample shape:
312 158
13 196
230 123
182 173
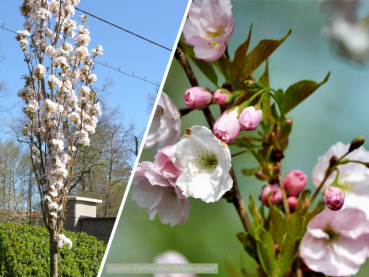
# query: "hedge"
24 251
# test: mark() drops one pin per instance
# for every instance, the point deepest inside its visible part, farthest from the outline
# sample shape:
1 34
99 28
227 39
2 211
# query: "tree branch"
235 191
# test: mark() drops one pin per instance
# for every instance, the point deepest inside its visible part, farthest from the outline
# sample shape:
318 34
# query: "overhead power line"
103 63
127 72
124 29
2 26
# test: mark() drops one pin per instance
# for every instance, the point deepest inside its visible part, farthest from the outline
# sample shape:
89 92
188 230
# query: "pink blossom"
334 198
294 182
336 242
208 28
171 257
293 202
353 178
165 126
276 195
250 118
160 194
221 96
227 128
198 98
164 161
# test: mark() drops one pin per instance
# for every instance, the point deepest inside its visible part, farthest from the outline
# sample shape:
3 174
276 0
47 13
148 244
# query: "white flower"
165 126
63 240
353 178
55 82
353 38
205 161
39 71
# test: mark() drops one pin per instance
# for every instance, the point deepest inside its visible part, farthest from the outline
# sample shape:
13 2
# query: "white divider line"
143 140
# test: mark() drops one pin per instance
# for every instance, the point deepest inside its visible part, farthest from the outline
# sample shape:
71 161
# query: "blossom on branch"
336 242
165 126
208 28
353 177
157 191
205 162
227 127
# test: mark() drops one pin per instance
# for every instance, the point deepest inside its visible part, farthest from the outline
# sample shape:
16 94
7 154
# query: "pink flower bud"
276 249
250 118
227 128
295 182
221 96
198 98
293 202
276 196
334 198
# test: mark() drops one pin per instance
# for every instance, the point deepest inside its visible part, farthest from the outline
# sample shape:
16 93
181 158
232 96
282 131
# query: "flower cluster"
230 124
64 241
197 166
59 121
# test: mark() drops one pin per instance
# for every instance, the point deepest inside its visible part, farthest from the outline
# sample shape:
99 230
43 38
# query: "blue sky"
158 21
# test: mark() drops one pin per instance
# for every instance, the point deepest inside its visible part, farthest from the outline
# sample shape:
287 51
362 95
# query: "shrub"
24 251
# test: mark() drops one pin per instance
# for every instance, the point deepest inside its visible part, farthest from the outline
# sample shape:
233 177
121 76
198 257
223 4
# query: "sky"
158 21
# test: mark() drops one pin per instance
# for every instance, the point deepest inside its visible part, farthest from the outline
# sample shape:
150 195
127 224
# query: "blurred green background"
338 111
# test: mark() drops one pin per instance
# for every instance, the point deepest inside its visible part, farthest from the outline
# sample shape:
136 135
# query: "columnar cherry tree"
60 104
289 234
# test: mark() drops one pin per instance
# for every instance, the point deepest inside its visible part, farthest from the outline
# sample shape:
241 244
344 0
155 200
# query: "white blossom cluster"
63 241
60 105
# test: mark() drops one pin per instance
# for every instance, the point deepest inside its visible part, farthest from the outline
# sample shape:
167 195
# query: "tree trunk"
53 254
30 196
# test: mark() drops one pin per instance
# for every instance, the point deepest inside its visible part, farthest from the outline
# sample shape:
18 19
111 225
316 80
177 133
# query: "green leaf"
250 172
287 257
305 195
254 211
265 249
278 225
259 54
239 58
206 68
223 64
264 79
299 91
248 243
274 113
296 226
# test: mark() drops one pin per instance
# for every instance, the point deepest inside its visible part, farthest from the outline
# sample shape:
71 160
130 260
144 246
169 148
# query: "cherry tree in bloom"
165 127
157 191
59 103
353 178
208 28
205 161
336 242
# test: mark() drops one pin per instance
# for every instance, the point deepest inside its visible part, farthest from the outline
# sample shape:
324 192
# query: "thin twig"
284 194
329 171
